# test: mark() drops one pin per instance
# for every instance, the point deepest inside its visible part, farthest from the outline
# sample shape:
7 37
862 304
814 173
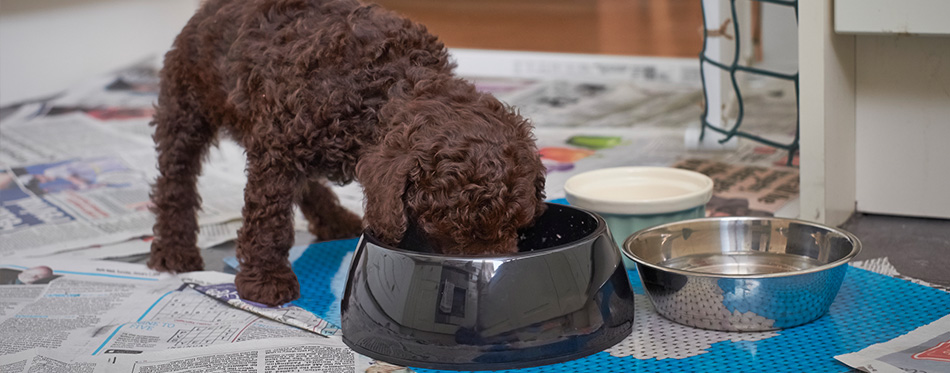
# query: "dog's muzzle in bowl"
565 295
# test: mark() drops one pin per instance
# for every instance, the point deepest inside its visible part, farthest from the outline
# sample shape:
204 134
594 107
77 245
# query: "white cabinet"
875 108
902 17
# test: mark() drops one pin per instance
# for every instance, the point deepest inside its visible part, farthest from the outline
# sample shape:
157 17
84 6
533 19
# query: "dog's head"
465 172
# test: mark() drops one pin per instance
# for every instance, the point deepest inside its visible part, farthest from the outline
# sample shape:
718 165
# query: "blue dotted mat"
870 308
316 269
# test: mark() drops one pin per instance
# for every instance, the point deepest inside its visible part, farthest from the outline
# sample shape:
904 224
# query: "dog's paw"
269 288
178 260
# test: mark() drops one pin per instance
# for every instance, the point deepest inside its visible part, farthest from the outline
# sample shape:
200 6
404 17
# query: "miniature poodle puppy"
322 91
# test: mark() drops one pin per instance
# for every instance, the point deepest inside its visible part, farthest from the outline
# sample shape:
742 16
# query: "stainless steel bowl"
741 273
564 296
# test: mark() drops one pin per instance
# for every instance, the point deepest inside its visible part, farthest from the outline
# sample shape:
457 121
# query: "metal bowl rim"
855 248
600 230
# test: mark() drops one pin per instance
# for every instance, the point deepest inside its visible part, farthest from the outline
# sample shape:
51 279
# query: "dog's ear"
383 172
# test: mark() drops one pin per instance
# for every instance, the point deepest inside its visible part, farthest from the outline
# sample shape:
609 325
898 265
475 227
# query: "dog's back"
262 65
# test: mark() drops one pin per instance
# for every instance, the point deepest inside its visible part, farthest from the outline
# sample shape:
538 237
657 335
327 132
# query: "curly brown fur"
334 90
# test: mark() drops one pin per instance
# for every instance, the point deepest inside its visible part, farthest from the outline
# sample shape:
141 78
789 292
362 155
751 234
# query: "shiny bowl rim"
598 231
855 248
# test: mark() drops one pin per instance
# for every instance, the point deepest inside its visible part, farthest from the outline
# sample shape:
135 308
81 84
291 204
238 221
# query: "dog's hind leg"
265 239
328 220
182 138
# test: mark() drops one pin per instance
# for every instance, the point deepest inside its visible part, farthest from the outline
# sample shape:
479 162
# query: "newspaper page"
125 98
103 117
743 190
265 356
108 316
924 350
98 308
108 116
69 182
209 235
290 354
288 314
566 152
770 106
55 206
64 305
51 139
43 361
562 104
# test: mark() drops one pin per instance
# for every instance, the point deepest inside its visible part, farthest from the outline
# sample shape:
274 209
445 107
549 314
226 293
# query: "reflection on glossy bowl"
742 273
565 295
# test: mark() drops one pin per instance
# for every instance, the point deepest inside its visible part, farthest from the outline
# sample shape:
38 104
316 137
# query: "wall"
49 45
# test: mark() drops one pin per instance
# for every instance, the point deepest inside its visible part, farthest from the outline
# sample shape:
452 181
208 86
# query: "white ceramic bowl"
634 198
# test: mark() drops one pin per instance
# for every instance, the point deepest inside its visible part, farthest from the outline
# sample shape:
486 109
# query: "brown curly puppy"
334 90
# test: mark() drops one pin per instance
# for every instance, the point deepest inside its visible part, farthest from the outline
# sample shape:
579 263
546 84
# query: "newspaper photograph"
923 350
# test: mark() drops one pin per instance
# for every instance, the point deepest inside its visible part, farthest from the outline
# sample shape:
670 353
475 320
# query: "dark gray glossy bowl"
565 295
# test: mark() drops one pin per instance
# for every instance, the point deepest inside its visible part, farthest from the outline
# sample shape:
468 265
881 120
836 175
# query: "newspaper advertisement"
745 190
924 350
98 311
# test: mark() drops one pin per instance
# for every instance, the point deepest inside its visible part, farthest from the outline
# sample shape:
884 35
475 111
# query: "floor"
916 247
670 28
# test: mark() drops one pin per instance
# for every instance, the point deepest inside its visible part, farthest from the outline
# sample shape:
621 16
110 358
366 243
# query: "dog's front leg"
267 234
